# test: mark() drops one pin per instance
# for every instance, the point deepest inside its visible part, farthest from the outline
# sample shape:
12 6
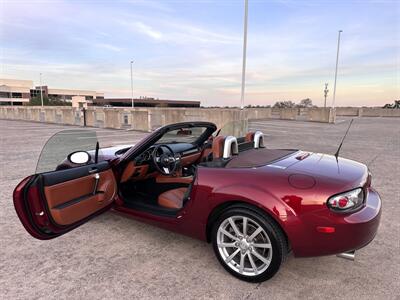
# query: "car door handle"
93 170
96 183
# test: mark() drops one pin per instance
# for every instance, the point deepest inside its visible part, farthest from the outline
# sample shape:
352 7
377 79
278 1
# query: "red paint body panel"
298 211
18 196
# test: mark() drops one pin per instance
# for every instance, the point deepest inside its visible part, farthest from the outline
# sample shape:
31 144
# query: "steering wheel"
165 160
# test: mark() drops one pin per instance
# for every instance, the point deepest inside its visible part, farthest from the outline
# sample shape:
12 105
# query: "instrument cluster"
145 157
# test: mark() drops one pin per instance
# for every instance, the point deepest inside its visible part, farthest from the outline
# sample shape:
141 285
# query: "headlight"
348 201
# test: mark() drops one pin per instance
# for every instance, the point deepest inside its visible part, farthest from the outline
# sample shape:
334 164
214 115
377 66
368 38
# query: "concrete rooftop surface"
113 257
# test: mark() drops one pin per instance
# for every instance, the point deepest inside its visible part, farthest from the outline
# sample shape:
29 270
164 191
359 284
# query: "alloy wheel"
244 245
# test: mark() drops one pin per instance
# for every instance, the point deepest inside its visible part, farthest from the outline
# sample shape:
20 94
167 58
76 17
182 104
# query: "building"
144 102
64 94
80 102
19 92
14 91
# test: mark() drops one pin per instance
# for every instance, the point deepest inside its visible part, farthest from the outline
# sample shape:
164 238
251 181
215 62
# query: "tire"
259 256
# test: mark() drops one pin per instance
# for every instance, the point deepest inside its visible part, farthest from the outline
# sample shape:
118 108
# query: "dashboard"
141 167
182 149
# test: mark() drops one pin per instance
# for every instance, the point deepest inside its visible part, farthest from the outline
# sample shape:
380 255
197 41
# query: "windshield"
63 143
182 135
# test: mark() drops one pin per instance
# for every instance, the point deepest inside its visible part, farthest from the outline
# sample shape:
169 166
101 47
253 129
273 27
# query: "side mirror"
79 157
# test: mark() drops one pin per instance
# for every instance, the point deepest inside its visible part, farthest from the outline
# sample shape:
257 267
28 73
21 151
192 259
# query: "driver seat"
173 199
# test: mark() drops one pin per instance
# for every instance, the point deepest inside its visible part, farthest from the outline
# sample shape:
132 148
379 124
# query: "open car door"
61 195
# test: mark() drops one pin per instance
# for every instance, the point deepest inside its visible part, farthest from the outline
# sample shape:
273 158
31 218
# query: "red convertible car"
253 203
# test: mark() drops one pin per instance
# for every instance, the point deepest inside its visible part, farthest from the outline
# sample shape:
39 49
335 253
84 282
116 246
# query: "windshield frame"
157 135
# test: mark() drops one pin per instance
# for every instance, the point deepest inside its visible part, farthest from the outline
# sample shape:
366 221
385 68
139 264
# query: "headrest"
218 146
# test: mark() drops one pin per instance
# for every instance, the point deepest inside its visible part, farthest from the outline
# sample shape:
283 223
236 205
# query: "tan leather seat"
172 198
249 137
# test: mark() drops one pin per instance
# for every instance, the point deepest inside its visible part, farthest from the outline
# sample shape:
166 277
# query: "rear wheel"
249 245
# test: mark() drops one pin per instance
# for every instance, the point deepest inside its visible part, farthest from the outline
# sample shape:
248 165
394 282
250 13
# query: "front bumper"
352 231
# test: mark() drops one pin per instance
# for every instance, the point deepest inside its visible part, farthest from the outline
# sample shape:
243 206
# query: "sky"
193 49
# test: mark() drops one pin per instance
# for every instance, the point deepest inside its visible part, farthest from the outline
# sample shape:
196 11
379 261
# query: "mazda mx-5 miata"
253 203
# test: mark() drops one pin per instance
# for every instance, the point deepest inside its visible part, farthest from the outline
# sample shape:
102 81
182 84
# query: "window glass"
63 143
182 135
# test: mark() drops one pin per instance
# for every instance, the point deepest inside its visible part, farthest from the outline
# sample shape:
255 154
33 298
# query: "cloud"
194 49
154 5
109 47
178 31
146 30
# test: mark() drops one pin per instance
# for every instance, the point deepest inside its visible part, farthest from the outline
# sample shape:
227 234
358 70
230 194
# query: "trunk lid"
326 168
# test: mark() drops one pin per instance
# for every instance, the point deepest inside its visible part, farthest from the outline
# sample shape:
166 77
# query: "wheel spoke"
260 257
229 235
243 245
229 258
244 226
234 227
242 256
255 233
262 245
253 265
227 245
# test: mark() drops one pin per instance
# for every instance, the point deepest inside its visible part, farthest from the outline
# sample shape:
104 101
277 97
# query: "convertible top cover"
257 157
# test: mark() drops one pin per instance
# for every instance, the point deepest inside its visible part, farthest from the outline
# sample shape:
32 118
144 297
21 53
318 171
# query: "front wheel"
249 245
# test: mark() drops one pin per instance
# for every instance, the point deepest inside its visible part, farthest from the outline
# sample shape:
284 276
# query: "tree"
36 101
396 104
257 106
284 104
305 103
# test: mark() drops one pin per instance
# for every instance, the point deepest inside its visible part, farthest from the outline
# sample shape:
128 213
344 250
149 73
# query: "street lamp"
41 91
325 93
133 105
246 4
337 62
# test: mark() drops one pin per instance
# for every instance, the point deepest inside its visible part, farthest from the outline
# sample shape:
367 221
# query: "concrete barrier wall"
326 115
314 114
347 111
148 119
378 112
259 113
367 112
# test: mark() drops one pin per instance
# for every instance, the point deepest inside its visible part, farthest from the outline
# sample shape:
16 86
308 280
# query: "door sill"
152 209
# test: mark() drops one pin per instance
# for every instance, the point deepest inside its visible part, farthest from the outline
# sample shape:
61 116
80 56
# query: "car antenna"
341 143
96 155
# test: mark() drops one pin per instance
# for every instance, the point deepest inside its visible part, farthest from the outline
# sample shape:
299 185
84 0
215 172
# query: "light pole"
41 91
337 62
325 93
246 4
133 105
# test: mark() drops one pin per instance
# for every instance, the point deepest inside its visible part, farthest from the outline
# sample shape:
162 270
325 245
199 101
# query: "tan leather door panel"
73 200
168 179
